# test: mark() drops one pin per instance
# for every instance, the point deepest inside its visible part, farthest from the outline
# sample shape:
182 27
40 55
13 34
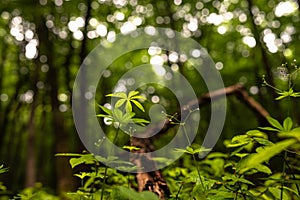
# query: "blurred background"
43 43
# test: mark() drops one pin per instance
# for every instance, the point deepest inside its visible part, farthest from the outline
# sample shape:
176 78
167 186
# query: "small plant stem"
293 174
283 173
103 183
105 170
194 158
181 185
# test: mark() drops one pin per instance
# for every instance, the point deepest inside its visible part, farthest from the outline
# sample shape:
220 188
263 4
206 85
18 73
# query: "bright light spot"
58 2
170 33
17 20
269 38
92 34
119 16
5 15
196 53
182 58
62 97
63 108
93 22
286 38
155 99
30 50
72 25
80 22
106 73
127 27
120 3
29 34
107 105
150 90
88 95
250 41
107 121
49 24
254 90
111 36
285 8
288 53
145 59
243 17
130 81
121 86
3 97
159 70
227 16
272 48
150 30
174 67
154 50
168 76
219 65
45 68
78 35
173 57
101 30
43 58
157 60
222 29
137 21
27 97
177 2
193 25
40 84
63 34
215 19
14 31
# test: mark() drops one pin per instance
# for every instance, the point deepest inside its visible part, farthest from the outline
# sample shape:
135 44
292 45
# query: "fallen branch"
154 181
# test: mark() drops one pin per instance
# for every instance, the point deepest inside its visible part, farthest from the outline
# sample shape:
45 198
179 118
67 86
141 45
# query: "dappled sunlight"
286 8
125 67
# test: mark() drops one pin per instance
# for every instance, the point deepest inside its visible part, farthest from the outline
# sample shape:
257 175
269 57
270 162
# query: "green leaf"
138 97
85 158
287 124
2 169
128 107
138 105
256 133
104 116
275 123
140 121
106 110
130 148
121 95
264 155
276 192
132 93
268 129
262 168
69 154
294 133
281 97
263 141
123 193
118 115
120 102
239 140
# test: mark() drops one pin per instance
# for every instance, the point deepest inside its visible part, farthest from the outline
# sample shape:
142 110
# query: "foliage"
43 43
246 171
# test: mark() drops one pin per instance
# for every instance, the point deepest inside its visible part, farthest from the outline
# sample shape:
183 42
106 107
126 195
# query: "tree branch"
154 181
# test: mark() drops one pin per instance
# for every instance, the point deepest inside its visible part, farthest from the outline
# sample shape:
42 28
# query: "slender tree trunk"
31 155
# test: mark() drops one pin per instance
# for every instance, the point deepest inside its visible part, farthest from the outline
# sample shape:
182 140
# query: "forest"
150 99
